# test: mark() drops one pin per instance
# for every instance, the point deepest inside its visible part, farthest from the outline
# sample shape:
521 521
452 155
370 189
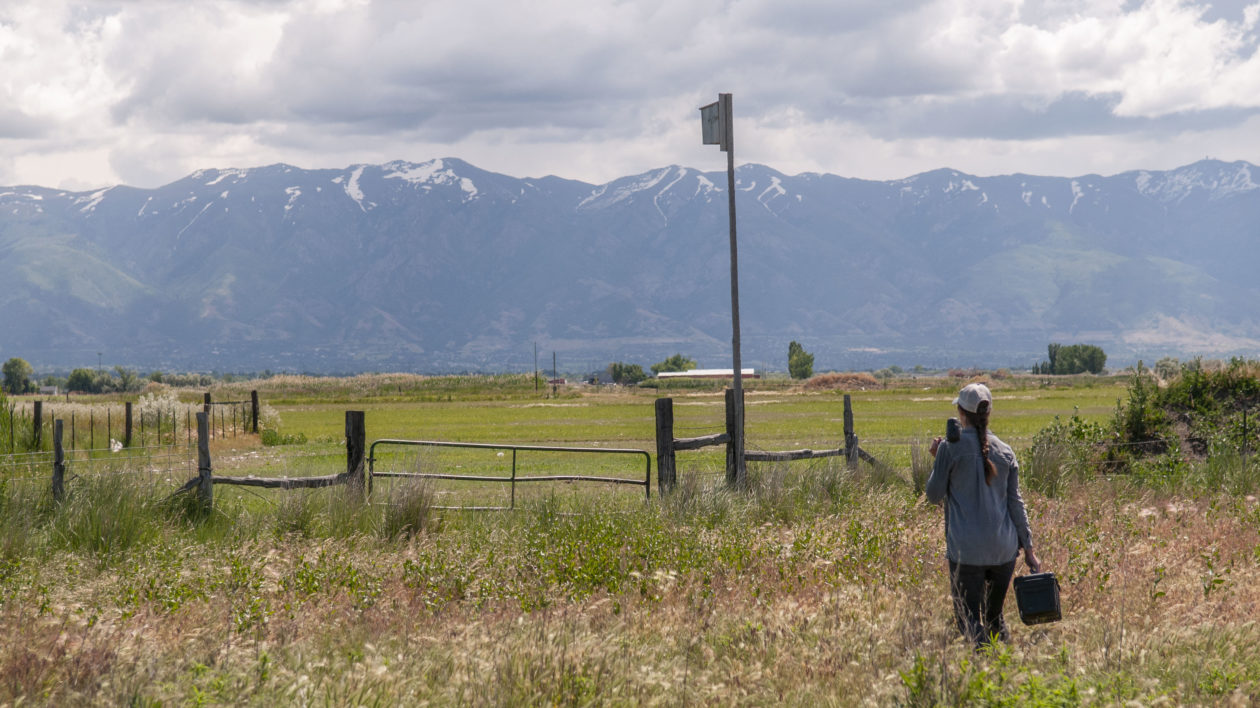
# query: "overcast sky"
142 93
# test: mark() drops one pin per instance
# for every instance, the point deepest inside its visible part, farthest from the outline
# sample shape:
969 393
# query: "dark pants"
979 592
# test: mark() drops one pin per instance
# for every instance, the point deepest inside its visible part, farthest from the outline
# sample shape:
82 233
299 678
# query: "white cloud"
145 92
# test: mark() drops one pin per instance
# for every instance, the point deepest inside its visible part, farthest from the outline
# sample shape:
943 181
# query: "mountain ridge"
441 266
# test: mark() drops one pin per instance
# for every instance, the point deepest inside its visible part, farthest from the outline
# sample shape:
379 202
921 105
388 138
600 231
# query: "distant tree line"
1072 359
19 378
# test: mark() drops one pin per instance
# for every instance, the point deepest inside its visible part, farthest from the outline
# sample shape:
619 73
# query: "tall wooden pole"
728 144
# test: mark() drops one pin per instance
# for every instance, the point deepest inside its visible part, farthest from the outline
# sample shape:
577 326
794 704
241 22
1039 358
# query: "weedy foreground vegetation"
814 585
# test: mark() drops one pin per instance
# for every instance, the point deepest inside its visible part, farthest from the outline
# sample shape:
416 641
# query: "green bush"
271 437
1062 451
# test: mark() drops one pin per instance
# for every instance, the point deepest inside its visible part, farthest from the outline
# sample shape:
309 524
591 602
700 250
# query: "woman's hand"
935 444
1030 558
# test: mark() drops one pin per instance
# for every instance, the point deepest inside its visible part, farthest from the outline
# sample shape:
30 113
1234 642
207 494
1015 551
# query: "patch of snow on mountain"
1045 202
1177 185
194 220
223 194
1142 182
645 182
237 174
144 206
294 193
352 187
969 186
984 198
776 186
91 200
420 174
703 184
1077 193
430 173
682 172
1027 197
595 194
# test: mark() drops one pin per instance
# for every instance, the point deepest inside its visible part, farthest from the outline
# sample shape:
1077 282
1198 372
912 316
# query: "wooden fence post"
666 467
127 425
850 437
205 483
253 410
59 464
356 446
735 445
39 424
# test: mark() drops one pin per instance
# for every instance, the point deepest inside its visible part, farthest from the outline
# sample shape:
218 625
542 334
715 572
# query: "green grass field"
814 586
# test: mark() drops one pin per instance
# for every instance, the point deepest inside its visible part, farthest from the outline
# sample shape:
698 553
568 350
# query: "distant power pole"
718 128
554 376
535 367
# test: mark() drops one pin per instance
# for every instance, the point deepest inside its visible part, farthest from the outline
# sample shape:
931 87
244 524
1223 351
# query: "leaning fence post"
59 464
205 483
666 468
127 425
253 410
356 446
38 424
850 437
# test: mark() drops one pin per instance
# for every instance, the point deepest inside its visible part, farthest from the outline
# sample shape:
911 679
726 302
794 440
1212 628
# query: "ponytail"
980 421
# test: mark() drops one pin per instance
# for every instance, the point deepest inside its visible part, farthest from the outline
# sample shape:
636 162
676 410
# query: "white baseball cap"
970 396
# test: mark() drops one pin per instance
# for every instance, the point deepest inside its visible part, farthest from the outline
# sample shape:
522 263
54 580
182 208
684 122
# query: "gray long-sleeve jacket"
984 524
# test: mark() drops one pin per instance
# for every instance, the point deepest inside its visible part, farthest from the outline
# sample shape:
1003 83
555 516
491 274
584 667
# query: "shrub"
846 381
271 437
1060 452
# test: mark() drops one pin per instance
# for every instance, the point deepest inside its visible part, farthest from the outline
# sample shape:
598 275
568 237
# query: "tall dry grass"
813 586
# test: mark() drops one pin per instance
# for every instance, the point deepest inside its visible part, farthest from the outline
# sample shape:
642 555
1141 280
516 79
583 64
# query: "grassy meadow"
814 586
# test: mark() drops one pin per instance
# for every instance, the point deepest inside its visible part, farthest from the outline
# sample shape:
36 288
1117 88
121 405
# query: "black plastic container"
1038 598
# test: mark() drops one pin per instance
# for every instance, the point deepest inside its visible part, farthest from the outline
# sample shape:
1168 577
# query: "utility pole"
554 376
717 125
535 367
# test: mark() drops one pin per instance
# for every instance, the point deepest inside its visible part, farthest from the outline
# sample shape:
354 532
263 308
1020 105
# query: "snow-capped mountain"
443 266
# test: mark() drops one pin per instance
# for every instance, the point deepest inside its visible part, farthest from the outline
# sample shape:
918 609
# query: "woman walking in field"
976 478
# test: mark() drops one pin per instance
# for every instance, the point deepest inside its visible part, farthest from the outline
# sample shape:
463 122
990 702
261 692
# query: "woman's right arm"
938 482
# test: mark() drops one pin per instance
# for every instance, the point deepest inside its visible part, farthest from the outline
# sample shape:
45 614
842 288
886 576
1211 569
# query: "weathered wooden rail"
667 445
354 476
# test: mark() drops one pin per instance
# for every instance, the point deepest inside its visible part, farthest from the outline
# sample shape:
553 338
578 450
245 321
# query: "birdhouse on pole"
718 128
